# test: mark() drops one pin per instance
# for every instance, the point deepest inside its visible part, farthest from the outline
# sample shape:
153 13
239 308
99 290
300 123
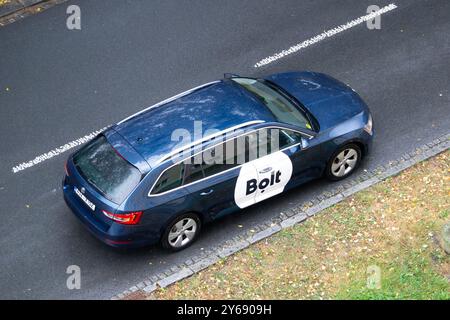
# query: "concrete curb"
288 219
19 9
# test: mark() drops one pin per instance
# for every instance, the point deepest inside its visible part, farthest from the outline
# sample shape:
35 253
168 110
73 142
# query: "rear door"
211 178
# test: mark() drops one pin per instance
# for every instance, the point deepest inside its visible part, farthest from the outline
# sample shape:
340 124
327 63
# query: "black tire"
329 174
166 243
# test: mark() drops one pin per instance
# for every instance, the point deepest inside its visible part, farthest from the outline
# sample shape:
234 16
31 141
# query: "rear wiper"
93 183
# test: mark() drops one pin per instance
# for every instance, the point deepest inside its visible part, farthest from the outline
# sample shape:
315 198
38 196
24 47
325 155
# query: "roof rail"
206 138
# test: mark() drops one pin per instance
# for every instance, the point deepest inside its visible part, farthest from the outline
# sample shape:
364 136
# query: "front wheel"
181 232
343 162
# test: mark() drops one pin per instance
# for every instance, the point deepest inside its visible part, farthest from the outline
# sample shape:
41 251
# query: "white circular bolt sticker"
262 178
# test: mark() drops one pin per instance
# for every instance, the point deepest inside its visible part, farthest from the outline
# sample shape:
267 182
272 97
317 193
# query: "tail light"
124 218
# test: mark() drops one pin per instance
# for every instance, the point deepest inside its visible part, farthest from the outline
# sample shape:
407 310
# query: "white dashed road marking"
55 152
326 34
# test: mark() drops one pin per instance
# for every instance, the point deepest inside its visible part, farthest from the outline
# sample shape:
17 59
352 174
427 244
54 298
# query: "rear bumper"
114 235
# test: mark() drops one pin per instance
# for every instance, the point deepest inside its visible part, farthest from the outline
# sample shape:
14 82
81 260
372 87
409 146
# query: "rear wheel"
181 232
343 162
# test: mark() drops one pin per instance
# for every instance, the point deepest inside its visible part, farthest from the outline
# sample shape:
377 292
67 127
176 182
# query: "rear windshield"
106 170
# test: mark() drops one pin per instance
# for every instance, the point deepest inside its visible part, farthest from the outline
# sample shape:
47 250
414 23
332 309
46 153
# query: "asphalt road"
130 54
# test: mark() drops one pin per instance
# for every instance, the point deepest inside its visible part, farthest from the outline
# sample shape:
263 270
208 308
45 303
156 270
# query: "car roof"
220 105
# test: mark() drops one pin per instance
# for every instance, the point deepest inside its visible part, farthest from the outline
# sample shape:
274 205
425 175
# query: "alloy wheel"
344 162
182 232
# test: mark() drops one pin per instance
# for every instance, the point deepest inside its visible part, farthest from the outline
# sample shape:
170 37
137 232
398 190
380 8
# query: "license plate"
85 200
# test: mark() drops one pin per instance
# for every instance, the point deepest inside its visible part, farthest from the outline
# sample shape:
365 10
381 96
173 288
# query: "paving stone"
168 273
264 234
177 276
309 203
204 263
275 220
361 186
148 282
294 220
161 275
443 146
134 289
141 285
328 194
290 213
389 172
229 250
150 288
333 200
347 185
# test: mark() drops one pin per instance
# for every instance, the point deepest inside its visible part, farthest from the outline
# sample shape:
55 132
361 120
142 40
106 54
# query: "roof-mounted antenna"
230 75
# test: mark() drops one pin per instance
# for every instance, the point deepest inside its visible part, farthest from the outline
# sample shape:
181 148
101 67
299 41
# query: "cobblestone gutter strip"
13 10
289 218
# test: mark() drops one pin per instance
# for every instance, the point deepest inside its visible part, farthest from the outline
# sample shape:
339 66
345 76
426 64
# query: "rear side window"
106 170
170 179
223 157
194 172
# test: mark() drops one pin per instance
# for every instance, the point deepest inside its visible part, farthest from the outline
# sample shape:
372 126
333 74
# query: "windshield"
280 106
106 170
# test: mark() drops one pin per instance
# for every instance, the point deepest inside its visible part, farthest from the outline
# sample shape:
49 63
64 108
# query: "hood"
329 100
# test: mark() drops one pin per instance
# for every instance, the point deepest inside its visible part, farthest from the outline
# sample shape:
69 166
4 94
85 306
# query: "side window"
289 138
215 159
274 139
170 179
252 146
193 172
224 156
267 142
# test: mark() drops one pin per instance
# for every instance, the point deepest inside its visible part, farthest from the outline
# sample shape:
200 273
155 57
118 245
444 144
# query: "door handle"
265 170
207 193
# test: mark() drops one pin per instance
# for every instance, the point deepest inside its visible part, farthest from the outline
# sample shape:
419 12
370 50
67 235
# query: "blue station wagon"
163 173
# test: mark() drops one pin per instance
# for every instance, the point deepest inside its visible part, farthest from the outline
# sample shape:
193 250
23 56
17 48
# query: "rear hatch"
101 178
